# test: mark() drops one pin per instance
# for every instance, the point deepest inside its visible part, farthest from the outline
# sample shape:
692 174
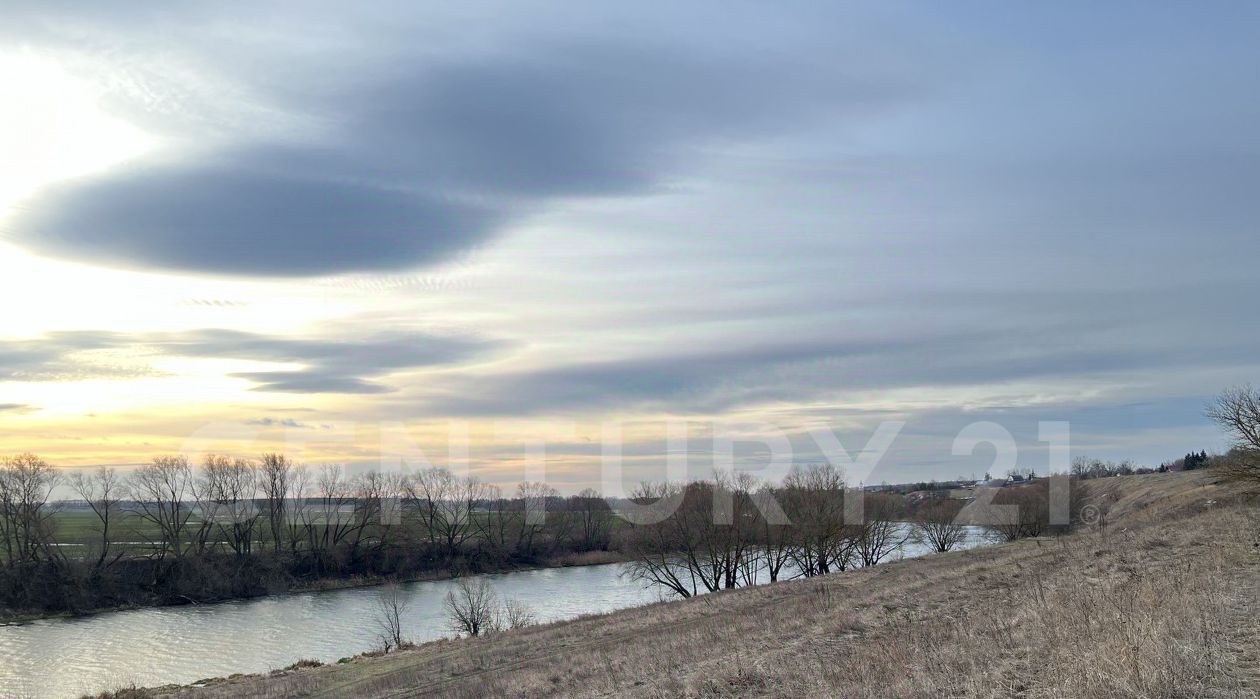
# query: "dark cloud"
575 119
240 218
427 156
373 352
329 366
16 408
310 382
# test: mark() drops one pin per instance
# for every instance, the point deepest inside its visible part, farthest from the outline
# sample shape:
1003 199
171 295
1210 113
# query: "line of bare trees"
235 527
730 532
733 531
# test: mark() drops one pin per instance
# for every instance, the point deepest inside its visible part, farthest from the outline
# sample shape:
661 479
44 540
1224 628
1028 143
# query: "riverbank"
1159 601
587 558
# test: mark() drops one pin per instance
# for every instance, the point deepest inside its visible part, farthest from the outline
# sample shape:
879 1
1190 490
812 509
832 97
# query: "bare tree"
101 489
226 491
377 510
737 514
658 554
1085 468
775 538
26 484
1237 410
446 502
937 524
495 527
880 533
275 472
330 523
472 607
161 492
1011 513
298 511
594 519
517 615
533 498
814 498
391 606
704 541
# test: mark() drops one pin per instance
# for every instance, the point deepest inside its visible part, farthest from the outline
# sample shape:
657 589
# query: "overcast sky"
316 218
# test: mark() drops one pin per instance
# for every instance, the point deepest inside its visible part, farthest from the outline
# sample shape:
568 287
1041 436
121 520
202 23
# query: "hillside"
1161 601
1132 500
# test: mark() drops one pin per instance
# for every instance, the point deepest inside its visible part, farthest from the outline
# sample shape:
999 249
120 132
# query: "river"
55 658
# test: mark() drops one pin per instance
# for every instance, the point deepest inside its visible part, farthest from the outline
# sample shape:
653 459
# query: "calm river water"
57 658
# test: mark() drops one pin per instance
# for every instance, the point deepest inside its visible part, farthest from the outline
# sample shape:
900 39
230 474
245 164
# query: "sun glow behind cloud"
52 127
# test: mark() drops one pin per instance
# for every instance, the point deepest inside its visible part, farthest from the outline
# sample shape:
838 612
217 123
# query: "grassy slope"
1161 602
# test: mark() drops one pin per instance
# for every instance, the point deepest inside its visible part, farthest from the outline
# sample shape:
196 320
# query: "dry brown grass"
127 693
1126 501
1145 607
1103 619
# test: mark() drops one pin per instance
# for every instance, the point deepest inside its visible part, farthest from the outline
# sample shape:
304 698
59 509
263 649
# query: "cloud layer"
247 218
327 365
729 210
413 162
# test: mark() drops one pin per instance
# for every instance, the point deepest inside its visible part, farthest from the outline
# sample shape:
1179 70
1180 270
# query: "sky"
332 230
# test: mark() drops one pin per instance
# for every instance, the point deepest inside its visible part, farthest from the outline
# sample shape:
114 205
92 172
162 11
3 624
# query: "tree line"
734 531
170 531
233 527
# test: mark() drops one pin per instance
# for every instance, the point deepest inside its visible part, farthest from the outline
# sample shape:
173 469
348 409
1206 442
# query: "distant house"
941 493
961 493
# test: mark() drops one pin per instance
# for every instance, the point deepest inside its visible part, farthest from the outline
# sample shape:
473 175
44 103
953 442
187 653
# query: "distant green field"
77 527
126 531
